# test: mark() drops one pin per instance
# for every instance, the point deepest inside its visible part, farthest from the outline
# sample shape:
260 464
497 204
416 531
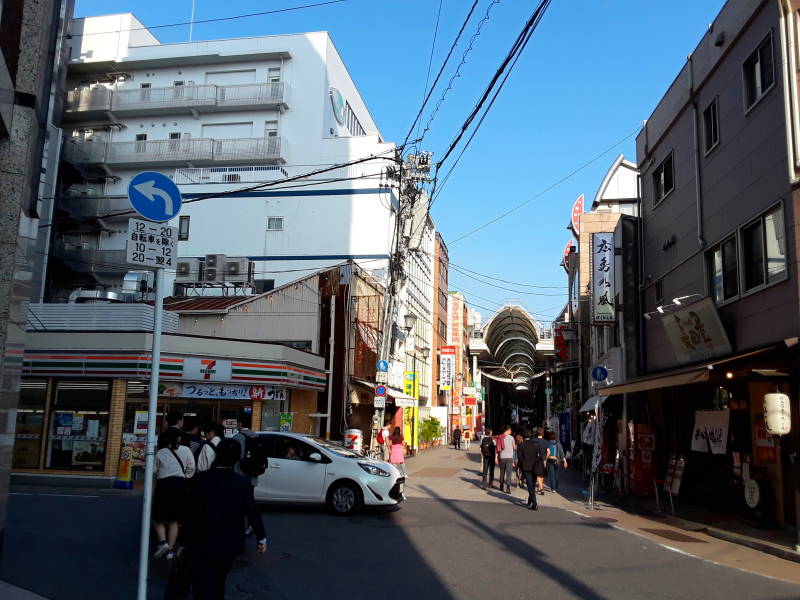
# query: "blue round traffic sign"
380 390
599 373
154 196
383 365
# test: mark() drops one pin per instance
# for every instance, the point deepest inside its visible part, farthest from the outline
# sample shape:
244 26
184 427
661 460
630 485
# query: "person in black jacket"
220 503
488 454
530 457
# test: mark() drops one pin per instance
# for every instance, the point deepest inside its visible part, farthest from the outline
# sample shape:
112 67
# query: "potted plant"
430 432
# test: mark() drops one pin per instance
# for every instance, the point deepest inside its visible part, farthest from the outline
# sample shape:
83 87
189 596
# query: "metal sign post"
156 198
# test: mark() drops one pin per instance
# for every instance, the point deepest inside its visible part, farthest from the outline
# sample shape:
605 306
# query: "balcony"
92 103
164 153
92 207
92 260
209 175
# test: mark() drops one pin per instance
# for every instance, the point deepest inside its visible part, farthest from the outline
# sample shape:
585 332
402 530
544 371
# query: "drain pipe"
697 181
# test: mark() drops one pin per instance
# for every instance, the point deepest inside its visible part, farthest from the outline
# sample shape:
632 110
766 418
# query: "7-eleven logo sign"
207 369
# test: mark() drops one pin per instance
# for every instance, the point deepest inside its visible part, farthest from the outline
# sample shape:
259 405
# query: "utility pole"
412 174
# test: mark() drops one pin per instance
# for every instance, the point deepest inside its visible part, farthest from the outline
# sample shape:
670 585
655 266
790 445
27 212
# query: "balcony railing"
206 97
254 174
92 260
89 207
175 152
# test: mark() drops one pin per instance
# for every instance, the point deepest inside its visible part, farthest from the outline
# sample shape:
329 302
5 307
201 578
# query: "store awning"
591 402
684 376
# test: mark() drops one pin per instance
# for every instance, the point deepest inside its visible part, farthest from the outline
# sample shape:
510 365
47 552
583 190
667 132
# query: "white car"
312 470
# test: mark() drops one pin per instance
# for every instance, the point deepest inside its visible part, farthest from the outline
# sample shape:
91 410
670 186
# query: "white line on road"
53 495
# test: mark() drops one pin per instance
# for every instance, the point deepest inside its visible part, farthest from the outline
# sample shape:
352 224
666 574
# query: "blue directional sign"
599 373
383 365
154 196
380 390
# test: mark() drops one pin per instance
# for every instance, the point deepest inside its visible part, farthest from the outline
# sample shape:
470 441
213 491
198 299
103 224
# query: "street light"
426 352
411 320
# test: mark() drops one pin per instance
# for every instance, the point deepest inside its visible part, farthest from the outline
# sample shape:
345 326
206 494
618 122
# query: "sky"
591 74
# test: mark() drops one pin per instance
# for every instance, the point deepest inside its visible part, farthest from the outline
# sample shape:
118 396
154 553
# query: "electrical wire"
544 191
430 59
554 287
215 20
441 69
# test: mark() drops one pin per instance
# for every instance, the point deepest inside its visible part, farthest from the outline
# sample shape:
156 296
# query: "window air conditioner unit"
237 270
187 270
214 271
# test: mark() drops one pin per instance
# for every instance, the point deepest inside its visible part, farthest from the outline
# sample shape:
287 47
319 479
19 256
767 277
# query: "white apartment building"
228 117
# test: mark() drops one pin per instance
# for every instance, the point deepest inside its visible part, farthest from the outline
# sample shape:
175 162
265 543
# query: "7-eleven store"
84 395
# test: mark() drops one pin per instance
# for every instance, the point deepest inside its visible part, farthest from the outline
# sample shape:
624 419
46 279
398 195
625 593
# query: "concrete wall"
742 177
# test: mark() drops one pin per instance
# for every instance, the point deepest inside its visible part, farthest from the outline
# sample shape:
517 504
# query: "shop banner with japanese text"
603 295
711 431
411 384
447 365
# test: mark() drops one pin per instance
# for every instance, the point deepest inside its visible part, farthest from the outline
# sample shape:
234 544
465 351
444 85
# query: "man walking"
488 454
540 469
531 459
383 441
505 447
457 438
221 502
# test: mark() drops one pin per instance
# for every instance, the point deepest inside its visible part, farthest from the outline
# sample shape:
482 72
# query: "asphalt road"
85 546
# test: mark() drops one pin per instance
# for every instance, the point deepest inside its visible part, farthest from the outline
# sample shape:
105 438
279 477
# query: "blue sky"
592 72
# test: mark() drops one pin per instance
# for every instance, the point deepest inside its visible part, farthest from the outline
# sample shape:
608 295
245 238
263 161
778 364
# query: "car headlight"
373 470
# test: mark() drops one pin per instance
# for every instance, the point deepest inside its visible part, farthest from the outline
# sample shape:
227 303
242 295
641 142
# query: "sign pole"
155 364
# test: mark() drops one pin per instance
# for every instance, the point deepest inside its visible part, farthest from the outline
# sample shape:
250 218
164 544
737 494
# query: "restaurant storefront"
81 402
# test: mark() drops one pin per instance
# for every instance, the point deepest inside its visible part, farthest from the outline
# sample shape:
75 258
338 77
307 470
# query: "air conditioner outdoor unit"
214 269
187 270
237 270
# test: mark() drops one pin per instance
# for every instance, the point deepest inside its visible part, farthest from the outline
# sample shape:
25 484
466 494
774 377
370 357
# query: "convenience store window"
30 424
78 426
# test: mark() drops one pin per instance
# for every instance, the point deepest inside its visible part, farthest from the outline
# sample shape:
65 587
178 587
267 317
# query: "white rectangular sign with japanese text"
603 295
151 245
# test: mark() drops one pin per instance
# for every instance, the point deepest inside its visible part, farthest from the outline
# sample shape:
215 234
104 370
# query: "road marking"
52 495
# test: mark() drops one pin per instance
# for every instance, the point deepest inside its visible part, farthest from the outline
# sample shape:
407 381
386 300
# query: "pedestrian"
540 469
555 458
517 468
253 453
383 441
457 438
467 435
531 458
505 447
174 466
245 437
487 452
191 434
207 451
397 455
221 501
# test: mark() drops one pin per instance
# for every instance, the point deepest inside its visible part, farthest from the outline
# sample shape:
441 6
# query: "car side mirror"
315 457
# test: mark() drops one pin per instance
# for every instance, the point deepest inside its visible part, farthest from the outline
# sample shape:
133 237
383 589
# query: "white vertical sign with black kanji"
603 297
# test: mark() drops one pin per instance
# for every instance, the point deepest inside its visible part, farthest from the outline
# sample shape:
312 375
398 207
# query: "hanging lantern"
777 413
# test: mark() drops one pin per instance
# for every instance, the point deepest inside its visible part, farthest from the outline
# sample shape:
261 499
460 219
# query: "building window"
177 90
759 72
723 274
183 228
275 224
274 74
663 179
711 126
443 299
442 329
659 291
30 424
764 250
141 142
144 95
271 129
264 285
78 426
174 141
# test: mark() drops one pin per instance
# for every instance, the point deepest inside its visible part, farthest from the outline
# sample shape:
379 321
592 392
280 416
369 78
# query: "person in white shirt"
211 434
174 467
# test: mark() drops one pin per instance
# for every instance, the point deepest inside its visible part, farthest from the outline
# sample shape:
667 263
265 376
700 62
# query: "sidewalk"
458 474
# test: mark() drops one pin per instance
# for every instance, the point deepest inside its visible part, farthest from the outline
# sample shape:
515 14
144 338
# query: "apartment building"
226 120
439 319
720 160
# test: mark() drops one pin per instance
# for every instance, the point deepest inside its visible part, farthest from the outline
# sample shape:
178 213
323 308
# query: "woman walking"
174 466
517 464
397 451
467 436
555 457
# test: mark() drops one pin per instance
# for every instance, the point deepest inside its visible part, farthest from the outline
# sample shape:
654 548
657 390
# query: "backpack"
554 451
254 462
499 443
198 450
381 437
487 447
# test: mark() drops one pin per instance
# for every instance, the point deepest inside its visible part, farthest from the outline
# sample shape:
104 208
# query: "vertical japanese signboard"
603 303
447 365
411 384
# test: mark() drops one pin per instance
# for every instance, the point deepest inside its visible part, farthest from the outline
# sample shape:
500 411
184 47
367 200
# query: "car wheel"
345 498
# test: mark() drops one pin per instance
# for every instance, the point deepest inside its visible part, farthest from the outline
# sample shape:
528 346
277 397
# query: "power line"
544 191
506 288
216 20
549 287
439 74
518 46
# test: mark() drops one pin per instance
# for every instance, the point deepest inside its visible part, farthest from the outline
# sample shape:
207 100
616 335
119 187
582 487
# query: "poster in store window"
140 422
286 421
85 453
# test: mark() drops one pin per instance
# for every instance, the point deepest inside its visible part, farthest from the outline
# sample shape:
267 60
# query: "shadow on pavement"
523 550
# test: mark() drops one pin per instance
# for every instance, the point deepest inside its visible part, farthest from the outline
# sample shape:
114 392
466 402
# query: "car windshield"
336 448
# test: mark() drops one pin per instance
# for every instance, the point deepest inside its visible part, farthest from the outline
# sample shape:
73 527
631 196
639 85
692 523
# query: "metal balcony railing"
178 151
92 260
200 97
88 207
254 174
